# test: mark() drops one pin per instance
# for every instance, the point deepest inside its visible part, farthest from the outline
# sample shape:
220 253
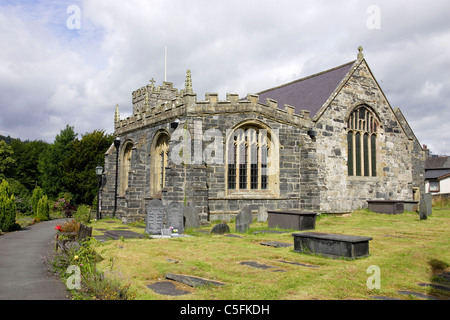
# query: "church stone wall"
340 192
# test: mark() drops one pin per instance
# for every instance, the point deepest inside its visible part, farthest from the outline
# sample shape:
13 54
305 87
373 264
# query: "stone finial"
146 102
117 115
188 82
152 84
360 53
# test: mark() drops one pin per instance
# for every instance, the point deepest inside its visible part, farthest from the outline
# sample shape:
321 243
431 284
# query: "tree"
7 208
38 193
43 209
79 168
6 160
51 161
26 155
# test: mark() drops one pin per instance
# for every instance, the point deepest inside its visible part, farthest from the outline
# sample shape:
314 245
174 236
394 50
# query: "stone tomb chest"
331 245
386 206
291 219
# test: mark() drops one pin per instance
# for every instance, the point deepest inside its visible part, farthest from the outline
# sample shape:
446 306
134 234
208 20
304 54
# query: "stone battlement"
153 105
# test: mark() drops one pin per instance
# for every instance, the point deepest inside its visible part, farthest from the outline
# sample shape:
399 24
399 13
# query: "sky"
70 62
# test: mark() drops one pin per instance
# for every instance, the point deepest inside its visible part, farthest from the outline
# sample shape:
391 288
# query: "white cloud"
51 76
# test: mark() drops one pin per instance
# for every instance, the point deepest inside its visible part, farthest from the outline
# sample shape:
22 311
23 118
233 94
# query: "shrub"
7 208
38 193
43 209
83 214
94 284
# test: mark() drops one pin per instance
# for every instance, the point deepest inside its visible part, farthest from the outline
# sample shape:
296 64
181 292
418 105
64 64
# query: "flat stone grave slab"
298 264
258 265
192 281
276 244
292 219
230 235
331 245
167 288
126 234
418 295
270 231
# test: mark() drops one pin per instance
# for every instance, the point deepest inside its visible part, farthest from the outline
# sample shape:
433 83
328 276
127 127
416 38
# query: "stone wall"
394 180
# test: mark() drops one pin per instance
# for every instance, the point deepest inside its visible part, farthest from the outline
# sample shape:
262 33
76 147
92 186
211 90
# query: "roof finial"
360 54
188 82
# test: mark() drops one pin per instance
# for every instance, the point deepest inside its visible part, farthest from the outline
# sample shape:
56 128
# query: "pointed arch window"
159 161
249 151
125 167
363 127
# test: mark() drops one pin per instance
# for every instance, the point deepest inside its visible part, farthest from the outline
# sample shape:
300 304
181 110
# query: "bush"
7 208
38 193
83 214
94 284
43 209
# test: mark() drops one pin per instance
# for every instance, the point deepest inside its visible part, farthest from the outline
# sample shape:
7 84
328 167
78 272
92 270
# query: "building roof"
434 163
308 93
437 174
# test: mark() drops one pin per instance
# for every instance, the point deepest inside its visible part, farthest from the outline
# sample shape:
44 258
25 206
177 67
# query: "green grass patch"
407 250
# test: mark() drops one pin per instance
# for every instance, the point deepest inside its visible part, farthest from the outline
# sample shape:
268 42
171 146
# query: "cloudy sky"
70 62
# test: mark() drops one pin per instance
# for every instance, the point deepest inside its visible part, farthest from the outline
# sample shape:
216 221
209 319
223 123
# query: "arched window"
363 126
125 167
251 160
159 160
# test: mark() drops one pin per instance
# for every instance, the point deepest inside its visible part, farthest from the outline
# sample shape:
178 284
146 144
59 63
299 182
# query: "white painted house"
437 175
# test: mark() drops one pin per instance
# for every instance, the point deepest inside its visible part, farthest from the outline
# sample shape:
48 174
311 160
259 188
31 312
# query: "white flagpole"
165 63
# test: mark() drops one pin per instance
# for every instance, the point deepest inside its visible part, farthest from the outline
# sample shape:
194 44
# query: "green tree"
38 193
7 208
43 209
51 161
79 168
26 155
6 160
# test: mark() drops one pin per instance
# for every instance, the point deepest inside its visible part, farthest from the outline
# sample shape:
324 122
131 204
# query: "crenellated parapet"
153 105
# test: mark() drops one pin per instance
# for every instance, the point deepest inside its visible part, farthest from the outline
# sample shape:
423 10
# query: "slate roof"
308 93
437 174
433 163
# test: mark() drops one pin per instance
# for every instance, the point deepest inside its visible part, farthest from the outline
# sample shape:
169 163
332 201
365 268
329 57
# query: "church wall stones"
311 169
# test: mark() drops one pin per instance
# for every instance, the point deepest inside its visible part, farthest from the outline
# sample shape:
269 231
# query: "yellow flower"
76 257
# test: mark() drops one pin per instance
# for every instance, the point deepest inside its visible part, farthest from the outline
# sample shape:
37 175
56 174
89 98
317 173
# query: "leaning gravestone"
244 219
154 217
425 207
175 216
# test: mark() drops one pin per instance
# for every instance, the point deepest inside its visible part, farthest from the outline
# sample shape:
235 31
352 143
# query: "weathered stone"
244 219
191 217
425 206
155 217
220 228
175 216
192 281
331 245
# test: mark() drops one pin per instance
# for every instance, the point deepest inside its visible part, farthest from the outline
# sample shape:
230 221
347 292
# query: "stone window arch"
125 168
159 159
363 127
252 160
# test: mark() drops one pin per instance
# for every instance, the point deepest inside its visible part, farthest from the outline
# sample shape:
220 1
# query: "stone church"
325 143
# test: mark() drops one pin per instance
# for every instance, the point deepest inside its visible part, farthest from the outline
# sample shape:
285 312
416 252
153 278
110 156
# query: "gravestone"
175 216
154 210
191 218
262 214
244 219
425 206
220 228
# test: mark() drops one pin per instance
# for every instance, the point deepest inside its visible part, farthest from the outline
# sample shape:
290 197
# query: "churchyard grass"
407 250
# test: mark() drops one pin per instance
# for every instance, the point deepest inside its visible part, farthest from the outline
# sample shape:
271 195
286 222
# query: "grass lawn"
407 250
